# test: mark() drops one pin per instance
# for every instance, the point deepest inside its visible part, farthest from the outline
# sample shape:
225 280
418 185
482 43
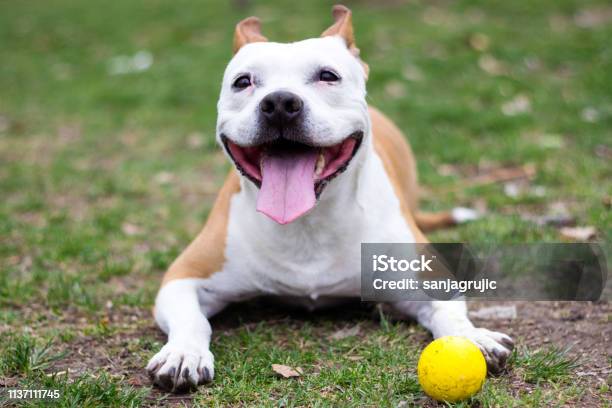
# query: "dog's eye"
328 76
242 82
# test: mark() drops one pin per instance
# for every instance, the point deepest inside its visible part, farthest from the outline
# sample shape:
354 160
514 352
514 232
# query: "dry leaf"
8 382
286 371
519 104
346 332
578 233
495 175
502 174
491 65
135 382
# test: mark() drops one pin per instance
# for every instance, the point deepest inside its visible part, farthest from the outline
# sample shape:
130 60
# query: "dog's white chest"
298 265
319 256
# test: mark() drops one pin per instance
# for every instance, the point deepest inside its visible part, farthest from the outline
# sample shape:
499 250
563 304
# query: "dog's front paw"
178 368
495 346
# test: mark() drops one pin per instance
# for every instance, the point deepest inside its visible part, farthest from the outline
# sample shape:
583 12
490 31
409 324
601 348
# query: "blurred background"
108 164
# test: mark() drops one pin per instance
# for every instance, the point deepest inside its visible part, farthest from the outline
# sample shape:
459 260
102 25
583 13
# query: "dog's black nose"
280 108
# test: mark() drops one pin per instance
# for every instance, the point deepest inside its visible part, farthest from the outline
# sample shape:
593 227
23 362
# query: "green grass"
105 178
551 364
357 371
22 355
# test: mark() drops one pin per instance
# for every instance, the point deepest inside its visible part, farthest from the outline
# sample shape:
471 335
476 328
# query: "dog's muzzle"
291 175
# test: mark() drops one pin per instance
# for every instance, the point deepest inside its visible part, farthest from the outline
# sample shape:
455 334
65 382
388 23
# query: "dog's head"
293 116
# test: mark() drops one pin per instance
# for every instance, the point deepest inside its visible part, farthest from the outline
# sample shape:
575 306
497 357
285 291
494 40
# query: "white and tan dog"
321 172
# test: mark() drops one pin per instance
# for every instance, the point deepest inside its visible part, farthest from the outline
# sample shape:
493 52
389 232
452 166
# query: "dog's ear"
248 31
343 27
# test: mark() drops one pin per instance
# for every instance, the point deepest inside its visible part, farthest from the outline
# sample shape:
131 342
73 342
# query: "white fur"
332 110
182 314
317 257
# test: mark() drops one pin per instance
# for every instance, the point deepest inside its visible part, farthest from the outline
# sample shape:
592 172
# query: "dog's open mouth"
291 175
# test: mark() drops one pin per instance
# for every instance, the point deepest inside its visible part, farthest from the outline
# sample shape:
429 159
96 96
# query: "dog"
317 172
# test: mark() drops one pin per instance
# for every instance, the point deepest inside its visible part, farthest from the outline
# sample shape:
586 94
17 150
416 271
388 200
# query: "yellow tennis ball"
451 369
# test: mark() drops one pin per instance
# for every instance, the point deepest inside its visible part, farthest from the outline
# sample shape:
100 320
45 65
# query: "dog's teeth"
320 165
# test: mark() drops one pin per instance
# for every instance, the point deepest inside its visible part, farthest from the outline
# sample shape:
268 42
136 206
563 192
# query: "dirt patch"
581 327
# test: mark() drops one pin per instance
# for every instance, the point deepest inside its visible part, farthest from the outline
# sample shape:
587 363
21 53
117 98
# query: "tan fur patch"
206 254
398 160
400 166
247 31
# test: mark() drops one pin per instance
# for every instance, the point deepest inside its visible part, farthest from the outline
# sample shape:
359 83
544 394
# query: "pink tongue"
287 186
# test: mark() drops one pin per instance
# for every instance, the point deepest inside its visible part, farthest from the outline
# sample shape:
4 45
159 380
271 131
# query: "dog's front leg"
182 313
196 286
449 318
